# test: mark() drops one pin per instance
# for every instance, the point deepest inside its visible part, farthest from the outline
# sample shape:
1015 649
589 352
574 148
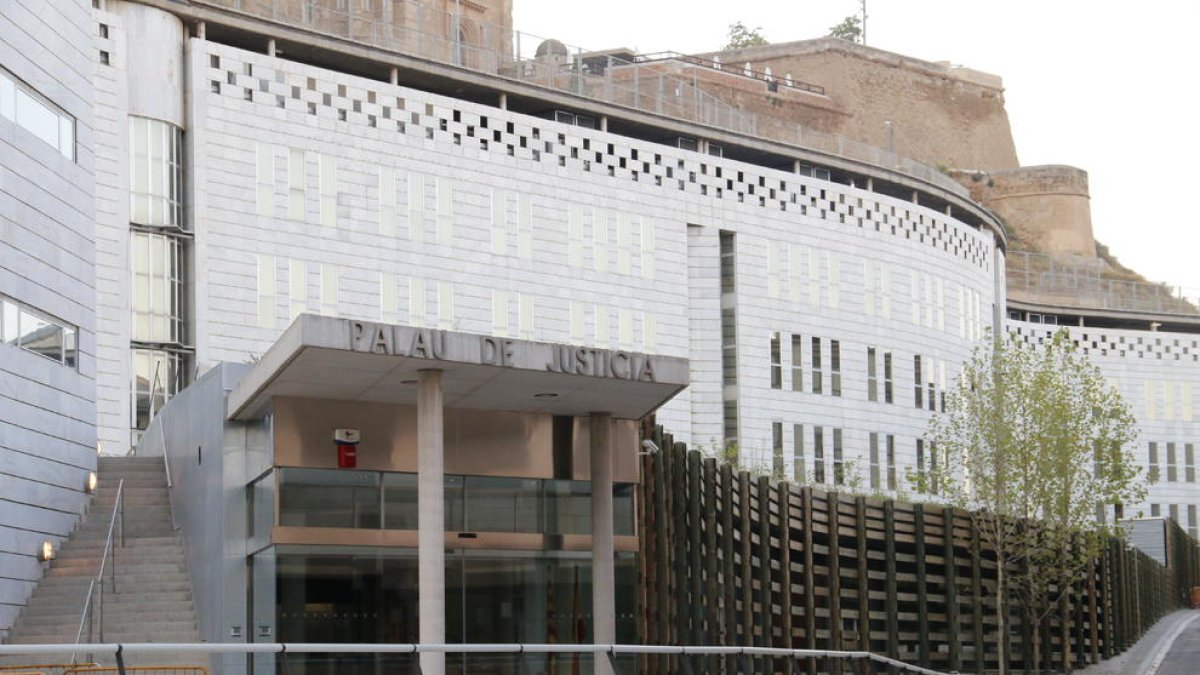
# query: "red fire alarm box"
347 447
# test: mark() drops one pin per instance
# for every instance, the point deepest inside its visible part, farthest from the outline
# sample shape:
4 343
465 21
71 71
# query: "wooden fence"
728 558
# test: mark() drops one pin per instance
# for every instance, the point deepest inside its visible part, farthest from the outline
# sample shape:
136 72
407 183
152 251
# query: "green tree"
741 36
1035 443
849 29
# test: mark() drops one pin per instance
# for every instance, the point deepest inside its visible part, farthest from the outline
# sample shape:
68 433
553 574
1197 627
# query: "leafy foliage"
1035 443
741 36
849 29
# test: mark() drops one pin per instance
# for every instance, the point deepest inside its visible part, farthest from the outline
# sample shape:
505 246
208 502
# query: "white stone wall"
47 409
1158 374
594 234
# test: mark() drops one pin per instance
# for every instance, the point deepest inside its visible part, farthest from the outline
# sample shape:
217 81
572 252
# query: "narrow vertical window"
887 377
298 287
649 332
891 462
329 289
799 471
296 184
600 240
264 179
525 320
1152 473
648 252
266 291
728 266
387 298
818 454
918 383
872 376
624 261
931 383
416 302
839 468
445 211
777 449
816 366
797 363
416 207
1172 471
499 222
575 235
933 467
921 477
1173 512
1189 458
387 201
524 227
835 367
1155 511
602 328
873 449
445 305
1191 524
776 362
625 328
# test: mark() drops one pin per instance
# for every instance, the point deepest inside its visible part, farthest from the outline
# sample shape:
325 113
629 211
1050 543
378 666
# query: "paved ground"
1177 636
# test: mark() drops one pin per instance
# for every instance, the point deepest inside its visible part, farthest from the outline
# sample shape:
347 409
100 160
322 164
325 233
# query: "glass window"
1172 470
872 376
816 365
918 385
23 106
798 453
776 362
41 336
797 363
156 173
887 377
777 449
157 376
9 322
329 498
158 288
873 441
818 454
835 367
568 507
502 504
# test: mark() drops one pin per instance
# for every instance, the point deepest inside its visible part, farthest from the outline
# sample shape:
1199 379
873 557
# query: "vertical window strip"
833 279
416 207
266 290
918 383
814 280
649 332
835 367
815 358
797 363
648 248
777 449
296 181
388 301
417 314
885 292
839 467
776 362
888 388
891 462
387 201
940 289
1172 469
625 328
1189 459
329 289
818 454
1168 401
601 325
445 305
499 222
624 255
525 227
872 375
1185 401
445 211
600 240
298 287
873 450
794 251
773 269
799 471
1152 475
575 235
264 179
868 272
328 190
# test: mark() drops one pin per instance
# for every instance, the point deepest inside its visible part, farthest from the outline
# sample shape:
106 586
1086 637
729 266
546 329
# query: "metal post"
604 628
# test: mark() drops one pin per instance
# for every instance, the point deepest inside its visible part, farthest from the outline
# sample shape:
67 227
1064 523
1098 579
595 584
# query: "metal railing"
650 85
1075 281
92 617
608 651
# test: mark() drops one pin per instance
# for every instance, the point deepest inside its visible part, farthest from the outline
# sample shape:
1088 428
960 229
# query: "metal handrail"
117 511
514 648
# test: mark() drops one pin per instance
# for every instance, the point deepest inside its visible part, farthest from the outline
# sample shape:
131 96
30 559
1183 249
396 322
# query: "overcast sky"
1104 86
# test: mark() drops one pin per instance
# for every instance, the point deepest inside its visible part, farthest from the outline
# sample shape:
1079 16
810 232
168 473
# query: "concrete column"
604 610
431 520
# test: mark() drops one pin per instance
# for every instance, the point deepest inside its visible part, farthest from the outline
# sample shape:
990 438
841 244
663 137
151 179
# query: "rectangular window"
1192 520
157 376
818 454
873 446
839 468
524 227
266 291
328 190
797 363
445 305
296 180
387 201
264 178
298 286
891 462
23 106
416 207
1173 511
1189 458
648 251
155 173
1172 471
816 366
388 301
329 289
918 383
872 376
600 240
887 377
1152 474
158 294
835 367
777 449
1155 511
920 457
776 362
417 303
727 249
575 236
445 211
799 471
625 328
602 329
933 467
624 262
730 418
23 327
499 222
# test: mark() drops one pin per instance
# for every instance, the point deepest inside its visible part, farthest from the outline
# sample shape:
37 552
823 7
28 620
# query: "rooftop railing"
649 84
1074 281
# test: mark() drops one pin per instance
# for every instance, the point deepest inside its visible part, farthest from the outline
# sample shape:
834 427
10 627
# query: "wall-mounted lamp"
649 447
46 552
89 484
99 448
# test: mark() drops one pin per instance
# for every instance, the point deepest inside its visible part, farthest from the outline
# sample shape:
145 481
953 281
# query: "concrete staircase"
152 598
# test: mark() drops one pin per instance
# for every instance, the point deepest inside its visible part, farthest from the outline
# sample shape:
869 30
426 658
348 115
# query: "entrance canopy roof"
345 359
